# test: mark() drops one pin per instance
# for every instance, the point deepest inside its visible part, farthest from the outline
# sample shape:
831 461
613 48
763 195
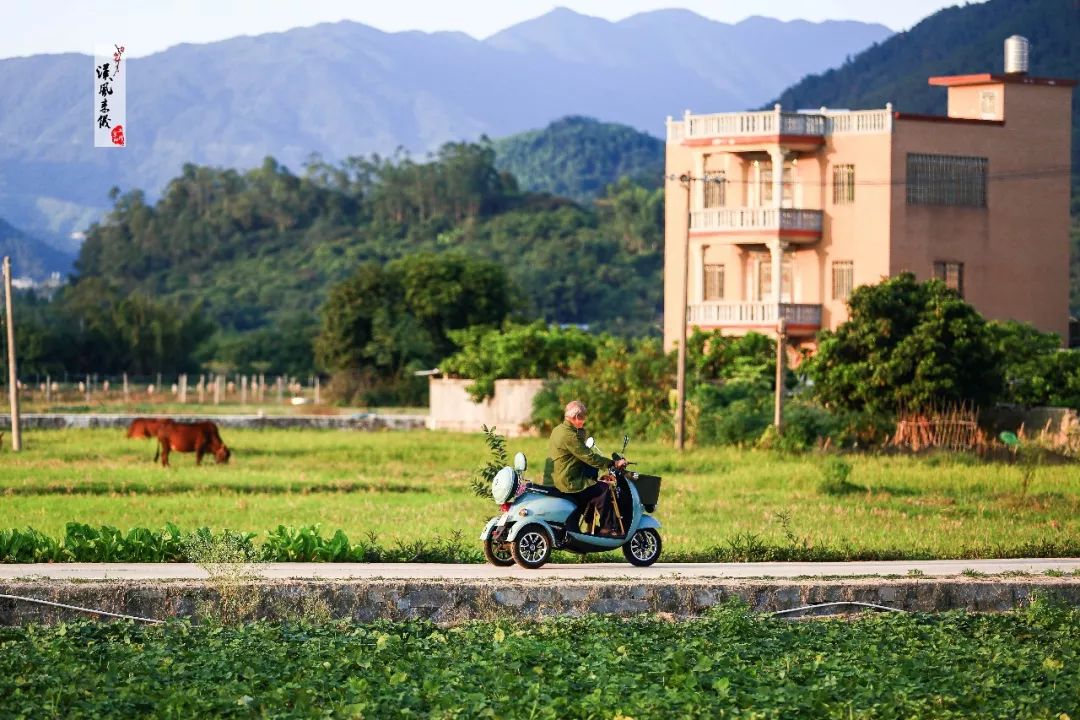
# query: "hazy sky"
28 27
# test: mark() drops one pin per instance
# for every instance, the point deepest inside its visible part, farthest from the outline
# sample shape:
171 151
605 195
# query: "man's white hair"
574 409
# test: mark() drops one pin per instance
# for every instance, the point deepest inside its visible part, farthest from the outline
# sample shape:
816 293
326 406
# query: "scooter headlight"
503 485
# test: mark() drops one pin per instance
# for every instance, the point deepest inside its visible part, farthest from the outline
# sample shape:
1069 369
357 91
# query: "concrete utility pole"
13 376
781 357
680 377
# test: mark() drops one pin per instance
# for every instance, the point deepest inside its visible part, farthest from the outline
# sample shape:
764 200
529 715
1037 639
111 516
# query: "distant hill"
346 89
954 41
578 157
31 257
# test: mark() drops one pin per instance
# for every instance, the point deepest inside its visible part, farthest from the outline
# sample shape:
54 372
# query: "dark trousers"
594 496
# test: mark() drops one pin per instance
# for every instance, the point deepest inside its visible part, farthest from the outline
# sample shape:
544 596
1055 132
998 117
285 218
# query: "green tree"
906 344
516 351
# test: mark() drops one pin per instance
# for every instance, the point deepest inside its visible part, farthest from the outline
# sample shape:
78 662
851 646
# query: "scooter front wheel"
498 553
643 549
532 546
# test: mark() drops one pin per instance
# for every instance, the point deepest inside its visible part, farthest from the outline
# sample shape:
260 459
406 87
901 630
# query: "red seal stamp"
118 135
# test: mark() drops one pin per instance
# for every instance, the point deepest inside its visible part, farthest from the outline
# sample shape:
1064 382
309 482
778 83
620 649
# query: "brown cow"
197 437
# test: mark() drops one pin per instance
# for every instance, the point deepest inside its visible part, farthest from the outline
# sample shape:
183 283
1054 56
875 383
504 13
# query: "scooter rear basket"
648 487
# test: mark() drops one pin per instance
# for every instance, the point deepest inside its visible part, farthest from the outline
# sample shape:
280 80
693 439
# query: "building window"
715 190
843 184
787 185
714 282
953 180
843 279
952 274
988 104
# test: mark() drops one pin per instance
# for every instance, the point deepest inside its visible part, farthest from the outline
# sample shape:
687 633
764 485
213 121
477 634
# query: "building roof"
992 78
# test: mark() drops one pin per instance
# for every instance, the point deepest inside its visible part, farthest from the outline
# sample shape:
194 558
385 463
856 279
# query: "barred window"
843 184
952 274
843 279
714 282
715 190
955 180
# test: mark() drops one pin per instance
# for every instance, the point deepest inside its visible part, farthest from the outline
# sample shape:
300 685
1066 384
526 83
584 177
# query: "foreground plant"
731 663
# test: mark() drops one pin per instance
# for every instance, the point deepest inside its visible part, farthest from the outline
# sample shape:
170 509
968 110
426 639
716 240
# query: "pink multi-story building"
784 213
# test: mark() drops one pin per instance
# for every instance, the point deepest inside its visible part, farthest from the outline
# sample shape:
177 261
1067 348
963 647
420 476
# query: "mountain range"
346 89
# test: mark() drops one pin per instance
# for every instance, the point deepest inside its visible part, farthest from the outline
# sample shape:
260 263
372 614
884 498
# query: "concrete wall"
1015 251
509 410
360 421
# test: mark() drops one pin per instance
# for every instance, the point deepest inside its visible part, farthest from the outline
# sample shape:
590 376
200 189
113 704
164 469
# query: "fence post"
280 389
317 399
217 389
87 388
243 389
183 388
48 389
125 388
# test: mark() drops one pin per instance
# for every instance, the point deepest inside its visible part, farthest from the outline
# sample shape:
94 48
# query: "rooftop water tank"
1016 54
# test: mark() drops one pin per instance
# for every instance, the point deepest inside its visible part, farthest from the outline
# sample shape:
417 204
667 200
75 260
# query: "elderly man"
571 466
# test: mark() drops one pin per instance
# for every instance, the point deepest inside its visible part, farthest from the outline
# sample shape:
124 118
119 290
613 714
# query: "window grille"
952 274
715 190
952 180
714 282
843 184
843 279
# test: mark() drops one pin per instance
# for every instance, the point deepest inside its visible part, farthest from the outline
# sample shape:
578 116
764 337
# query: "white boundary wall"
509 410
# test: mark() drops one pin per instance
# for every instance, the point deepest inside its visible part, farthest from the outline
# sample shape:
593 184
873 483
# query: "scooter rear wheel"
643 549
498 553
532 546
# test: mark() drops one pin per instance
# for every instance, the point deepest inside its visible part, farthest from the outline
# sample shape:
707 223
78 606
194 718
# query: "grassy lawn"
413 486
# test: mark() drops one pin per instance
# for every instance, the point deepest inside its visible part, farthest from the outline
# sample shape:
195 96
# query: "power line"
1018 175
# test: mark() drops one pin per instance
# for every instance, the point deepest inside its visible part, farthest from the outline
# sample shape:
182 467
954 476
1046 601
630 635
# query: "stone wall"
509 410
449 601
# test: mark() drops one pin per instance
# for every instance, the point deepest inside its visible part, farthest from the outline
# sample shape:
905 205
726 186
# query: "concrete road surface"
431 571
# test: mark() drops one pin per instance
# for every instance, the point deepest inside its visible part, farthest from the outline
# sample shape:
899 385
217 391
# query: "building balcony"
802 319
755 127
749 224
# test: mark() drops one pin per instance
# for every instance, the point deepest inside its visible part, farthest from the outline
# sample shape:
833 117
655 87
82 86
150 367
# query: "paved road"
429 571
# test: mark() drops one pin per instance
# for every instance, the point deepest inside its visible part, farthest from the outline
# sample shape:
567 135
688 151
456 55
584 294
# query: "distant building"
44 288
789 211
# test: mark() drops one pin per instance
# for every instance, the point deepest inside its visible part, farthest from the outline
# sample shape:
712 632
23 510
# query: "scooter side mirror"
590 443
625 442
521 463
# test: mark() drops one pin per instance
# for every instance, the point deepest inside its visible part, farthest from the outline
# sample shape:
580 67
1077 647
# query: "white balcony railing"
751 124
858 122
754 218
736 314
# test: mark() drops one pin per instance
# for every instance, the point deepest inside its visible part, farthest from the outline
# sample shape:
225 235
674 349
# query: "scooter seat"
551 491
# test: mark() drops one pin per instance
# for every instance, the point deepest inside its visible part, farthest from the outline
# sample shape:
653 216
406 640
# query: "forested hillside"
244 261
578 157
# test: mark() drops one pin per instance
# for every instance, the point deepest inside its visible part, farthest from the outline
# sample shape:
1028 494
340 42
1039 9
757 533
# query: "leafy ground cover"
733 663
410 488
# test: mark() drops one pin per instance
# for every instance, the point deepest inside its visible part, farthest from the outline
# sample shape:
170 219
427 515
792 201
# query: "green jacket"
568 457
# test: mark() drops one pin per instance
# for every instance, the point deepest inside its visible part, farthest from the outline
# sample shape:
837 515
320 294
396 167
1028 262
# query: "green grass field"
413 486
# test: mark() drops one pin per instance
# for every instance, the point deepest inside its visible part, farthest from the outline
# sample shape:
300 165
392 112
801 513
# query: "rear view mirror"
521 463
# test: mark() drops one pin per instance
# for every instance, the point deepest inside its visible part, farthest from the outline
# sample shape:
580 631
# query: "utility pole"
13 378
781 357
680 377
